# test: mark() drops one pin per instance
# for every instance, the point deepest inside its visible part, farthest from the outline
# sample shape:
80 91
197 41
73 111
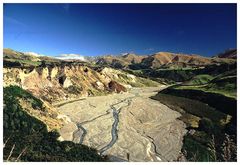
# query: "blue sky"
99 29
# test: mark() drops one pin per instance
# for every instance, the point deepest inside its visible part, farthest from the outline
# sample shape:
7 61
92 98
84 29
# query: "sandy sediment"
146 130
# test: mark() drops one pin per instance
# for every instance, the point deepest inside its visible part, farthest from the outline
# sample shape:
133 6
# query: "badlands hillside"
160 107
56 80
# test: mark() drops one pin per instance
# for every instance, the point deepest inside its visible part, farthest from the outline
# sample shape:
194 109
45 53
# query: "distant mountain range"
128 60
165 60
230 53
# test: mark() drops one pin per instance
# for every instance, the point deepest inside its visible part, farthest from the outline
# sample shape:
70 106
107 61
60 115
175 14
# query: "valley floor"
126 127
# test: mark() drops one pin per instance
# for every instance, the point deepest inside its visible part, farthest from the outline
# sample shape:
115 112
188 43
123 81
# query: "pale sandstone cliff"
58 83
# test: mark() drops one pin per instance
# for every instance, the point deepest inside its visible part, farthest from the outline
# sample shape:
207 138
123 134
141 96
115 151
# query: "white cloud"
71 57
123 54
33 54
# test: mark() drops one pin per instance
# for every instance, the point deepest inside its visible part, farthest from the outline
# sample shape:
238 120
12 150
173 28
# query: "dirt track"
126 125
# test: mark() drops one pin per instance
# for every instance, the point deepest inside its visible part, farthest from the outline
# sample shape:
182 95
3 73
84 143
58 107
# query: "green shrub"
199 80
193 107
206 125
206 141
30 135
196 151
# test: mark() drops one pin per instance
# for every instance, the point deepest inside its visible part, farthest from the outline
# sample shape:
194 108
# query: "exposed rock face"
54 72
67 83
125 79
116 87
100 85
59 83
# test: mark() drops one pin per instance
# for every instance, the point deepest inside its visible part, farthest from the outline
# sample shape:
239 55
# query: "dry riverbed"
128 126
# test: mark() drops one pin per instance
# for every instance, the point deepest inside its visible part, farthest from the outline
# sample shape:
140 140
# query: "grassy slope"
187 74
212 125
193 107
141 73
25 62
209 126
30 136
222 84
199 80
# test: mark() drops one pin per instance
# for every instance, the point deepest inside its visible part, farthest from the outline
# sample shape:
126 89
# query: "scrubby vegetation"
199 80
196 151
209 108
144 74
221 102
193 107
20 63
141 82
226 86
184 74
27 139
178 75
212 133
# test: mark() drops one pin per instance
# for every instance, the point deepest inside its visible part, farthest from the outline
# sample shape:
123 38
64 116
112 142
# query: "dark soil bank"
220 102
211 140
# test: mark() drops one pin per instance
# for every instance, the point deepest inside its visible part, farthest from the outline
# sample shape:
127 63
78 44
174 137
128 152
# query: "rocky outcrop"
55 80
116 87
59 83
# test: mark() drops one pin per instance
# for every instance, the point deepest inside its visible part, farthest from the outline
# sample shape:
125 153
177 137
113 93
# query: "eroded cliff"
58 83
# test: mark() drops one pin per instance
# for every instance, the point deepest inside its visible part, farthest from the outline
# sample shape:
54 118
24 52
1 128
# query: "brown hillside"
232 54
133 58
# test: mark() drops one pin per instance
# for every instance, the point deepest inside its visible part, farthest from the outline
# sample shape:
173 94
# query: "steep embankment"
55 83
210 116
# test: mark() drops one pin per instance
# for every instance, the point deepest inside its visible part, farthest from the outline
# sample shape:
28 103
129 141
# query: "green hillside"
199 80
27 139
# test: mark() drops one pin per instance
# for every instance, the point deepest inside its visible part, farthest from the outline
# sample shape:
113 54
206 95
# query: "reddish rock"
116 87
